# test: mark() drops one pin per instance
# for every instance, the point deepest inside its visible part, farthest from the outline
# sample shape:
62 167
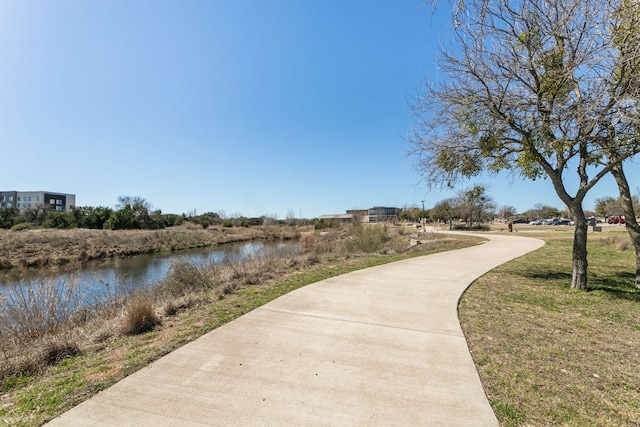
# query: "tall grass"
366 238
140 315
35 321
105 356
42 323
38 308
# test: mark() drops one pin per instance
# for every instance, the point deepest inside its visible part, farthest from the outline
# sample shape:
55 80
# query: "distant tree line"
130 213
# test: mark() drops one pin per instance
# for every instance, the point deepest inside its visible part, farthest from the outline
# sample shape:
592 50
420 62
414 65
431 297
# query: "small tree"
60 220
122 219
474 203
537 88
34 215
444 211
602 206
8 217
540 210
507 212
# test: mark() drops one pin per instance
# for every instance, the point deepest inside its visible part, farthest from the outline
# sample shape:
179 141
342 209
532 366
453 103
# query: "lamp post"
422 218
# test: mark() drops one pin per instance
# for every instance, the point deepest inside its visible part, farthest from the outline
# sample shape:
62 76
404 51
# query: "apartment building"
23 200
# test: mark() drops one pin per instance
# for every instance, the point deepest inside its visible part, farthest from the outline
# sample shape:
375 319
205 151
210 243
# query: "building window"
52 201
58 202
9 204
37 198
18 199
11 198
59 208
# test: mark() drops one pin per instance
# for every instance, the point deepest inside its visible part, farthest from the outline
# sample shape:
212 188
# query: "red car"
616 220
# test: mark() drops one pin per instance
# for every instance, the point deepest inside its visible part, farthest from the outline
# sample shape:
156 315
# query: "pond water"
123 275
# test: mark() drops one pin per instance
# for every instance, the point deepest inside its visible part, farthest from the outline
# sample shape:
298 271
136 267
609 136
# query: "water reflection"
122 275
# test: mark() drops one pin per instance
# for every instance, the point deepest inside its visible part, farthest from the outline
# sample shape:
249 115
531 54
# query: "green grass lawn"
551 356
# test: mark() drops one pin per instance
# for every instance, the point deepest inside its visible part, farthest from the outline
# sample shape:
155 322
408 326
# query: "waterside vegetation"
54 248
55 355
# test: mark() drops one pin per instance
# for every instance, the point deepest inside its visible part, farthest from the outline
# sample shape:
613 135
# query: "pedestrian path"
376 347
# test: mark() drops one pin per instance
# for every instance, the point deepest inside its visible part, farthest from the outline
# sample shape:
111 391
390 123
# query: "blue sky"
263 107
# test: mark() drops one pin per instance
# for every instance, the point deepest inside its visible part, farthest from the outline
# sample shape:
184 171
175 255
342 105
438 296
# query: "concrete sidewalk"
380 346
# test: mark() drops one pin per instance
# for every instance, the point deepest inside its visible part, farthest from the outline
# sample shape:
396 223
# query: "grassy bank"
551 356
72 362
51 248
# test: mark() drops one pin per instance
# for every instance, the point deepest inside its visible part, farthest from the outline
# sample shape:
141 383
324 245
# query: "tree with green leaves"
91 217
444 211
474 203
8 217
59 220
124 218
542 89
603 206
541 211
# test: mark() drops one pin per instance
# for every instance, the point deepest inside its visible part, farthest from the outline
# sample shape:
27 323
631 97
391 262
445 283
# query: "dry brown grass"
53 248
140 315
97 346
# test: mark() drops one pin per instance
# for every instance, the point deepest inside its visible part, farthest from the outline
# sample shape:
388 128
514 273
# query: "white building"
23 200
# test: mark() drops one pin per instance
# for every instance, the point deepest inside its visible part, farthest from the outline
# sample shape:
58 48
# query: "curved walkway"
381 346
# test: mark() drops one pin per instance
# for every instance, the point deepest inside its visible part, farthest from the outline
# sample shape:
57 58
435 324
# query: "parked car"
562 221
616 220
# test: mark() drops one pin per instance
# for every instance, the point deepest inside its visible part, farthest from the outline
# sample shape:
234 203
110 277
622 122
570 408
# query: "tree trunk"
579 278
632 226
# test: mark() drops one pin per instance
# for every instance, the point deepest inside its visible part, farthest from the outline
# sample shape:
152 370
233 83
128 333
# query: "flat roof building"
343 218
383 214
23 200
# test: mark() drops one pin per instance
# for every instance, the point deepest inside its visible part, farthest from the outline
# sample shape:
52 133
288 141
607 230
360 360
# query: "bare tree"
539 88
35 215
507 212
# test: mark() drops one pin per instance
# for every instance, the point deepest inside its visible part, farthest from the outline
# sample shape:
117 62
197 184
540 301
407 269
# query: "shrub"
367 239
322 224
123 219
59 220
37 309
227 223
140 316
175 305
472 228
21 226
185 276
54 351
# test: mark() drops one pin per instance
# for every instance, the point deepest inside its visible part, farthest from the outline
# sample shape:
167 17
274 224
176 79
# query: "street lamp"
422 218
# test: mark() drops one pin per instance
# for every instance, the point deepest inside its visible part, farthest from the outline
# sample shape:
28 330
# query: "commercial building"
383 214
341 218
375 214
23 200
